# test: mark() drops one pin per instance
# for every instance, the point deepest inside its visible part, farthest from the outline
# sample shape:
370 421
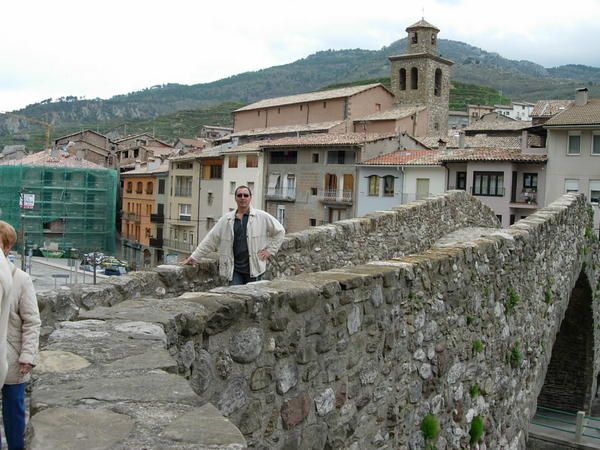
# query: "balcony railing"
157 218
132 217
281 194
496 192
156 242
334 196
179 245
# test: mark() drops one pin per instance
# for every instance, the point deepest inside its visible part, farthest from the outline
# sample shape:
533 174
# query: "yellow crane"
47 126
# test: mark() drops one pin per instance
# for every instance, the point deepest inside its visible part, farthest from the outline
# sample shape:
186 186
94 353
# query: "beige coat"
23 326
263 232
6 283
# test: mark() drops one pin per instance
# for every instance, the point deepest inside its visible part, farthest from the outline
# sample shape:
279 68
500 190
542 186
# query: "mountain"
518 80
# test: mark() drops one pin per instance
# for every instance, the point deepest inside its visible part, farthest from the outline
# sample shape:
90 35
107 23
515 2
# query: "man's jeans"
243 278
13 415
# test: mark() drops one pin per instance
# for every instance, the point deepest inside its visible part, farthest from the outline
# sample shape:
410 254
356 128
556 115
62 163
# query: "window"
414 78
184 236
191 237
185 212
161 186
185 165
388 186
278 110
210 222
437 88
596 144
574 146
160 209
530 181
313 191
340 157
377 106
312 222
374 185
149 187
232 187
129 187
233 162
324 104
216 172
433 39
280 215
251 160
415 37
402 80
488 184
315 157
461 181
183 186
571 185
140 187
283 157
595 191
291 182
250 185
499 217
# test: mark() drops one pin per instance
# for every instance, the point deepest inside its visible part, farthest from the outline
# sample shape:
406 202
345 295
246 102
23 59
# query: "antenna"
423 13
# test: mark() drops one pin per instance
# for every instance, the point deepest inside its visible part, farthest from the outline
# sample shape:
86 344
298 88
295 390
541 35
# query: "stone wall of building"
357 357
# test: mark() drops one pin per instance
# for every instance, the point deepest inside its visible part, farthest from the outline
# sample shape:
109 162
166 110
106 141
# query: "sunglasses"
243 195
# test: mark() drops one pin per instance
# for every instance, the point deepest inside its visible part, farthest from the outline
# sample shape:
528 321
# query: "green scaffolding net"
58 208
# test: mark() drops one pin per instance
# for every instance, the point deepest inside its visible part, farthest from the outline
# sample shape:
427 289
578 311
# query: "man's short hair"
8 235
242 187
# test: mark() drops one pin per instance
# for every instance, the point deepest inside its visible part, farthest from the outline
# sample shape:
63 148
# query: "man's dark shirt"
241 259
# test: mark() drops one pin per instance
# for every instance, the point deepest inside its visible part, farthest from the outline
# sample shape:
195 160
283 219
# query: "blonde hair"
8 235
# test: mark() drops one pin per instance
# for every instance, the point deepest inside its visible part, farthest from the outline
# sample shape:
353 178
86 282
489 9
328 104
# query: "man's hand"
264 254
25 368
190 262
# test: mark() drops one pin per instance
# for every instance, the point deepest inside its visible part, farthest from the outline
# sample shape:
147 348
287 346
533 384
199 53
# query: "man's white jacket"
264 232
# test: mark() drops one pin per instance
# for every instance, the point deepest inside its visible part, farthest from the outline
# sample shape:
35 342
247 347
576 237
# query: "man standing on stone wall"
244 239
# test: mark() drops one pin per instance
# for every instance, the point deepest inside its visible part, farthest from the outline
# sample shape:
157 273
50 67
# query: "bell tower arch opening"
569 381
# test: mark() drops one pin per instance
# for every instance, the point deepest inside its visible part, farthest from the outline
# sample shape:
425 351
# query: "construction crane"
47 126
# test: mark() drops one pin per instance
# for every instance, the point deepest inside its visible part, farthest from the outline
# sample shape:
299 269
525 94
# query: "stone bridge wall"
407 229
356 357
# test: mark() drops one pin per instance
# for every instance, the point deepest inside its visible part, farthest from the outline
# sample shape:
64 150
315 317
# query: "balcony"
156 242
525 200
157 218
281 194
334 196
178 245
132 217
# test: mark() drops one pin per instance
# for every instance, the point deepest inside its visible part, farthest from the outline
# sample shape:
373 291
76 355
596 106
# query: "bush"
476 431
430 428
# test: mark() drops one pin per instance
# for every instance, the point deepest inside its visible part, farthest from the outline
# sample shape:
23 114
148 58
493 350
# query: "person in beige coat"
22 340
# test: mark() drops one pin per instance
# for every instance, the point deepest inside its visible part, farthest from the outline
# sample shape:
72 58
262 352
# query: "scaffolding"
74 208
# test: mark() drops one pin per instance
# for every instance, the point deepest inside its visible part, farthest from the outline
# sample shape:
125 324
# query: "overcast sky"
100 49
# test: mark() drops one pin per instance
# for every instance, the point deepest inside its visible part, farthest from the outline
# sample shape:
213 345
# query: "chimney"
442 145
524 140
581 96
461 139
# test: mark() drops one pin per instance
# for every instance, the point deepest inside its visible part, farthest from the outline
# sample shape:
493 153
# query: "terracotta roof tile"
309 97
588 114
392 114
405 158
45 158
548 108
491 154
305 127
498 124
324 139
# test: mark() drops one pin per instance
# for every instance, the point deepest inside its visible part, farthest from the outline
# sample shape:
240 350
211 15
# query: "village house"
574 151
311 180
195 200
143 215
140 148
476 112
509 181
545 109
398 177
191 145
334 105
516 110
243 165
89 145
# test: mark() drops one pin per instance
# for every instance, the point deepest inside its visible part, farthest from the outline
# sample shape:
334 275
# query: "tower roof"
422 24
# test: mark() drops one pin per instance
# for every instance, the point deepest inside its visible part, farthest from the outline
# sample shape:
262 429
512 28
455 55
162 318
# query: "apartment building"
139 148
90 146
574 151
311 180
243 165
195 201
142 215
